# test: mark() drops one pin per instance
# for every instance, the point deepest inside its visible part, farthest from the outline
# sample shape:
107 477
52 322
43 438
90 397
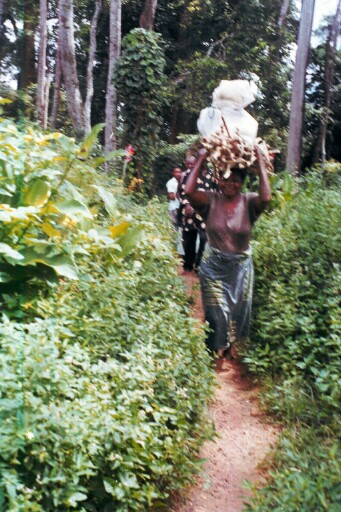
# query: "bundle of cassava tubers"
227 152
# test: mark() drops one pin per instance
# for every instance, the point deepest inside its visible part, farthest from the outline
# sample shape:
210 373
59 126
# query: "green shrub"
103 394
295 347
296 329
307 476
51 209
118 433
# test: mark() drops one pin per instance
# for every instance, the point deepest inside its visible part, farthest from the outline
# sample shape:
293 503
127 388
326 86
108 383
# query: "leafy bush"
47 220
112 433
296 328
103 392
296 340
307 477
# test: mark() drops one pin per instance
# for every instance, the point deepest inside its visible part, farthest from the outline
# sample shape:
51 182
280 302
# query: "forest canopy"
61 64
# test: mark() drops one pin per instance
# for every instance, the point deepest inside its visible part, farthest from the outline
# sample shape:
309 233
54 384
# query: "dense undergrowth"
296 347
104 377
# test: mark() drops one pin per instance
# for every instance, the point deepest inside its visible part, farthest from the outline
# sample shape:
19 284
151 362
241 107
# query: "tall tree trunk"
47 95
283 13
330 57
172 139
69 67
1 17
148 15
177 125
90 68
57 81
27 74
56 89
42 82
297 97
184 15
111 95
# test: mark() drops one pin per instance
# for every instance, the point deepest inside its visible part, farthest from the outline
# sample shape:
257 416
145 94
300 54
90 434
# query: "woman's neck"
233 199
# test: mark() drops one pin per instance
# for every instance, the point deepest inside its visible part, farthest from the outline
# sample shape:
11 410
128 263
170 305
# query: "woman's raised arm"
196 197
264 196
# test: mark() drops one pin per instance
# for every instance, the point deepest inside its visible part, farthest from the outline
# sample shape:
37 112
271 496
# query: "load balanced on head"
229 132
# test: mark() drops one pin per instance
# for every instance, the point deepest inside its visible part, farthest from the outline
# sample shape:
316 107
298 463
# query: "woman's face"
190 162
231 186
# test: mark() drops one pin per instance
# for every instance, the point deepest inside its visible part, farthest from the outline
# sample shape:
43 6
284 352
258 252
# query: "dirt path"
245 438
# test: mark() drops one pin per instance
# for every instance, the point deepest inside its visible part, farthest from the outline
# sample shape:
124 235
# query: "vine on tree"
140 83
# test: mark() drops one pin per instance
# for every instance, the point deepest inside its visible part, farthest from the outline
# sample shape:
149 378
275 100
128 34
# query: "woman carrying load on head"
226 270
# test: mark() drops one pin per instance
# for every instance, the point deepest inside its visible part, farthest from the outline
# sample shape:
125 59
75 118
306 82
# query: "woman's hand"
263 159
203 153
264 166
197 198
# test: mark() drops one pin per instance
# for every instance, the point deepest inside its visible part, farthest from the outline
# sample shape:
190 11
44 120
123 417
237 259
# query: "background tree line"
147 68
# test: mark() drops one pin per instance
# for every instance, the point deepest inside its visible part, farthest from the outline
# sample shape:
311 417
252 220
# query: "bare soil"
245 438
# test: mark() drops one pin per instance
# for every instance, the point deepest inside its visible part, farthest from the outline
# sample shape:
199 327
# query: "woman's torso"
229 226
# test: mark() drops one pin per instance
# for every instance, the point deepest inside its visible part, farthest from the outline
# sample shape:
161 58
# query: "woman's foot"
219 364
220 359
220 352
230 354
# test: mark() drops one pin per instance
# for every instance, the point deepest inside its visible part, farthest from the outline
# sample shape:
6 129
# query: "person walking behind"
226 270
193 226
206 182
172 190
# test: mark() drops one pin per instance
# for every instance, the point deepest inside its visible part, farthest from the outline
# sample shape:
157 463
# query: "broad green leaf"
9 253
108 486
69 190
90 139
109 200
40 246
75 497
128 480
130 239
67 144
85 224
73 208
5 278
38 193
61 263
109 156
